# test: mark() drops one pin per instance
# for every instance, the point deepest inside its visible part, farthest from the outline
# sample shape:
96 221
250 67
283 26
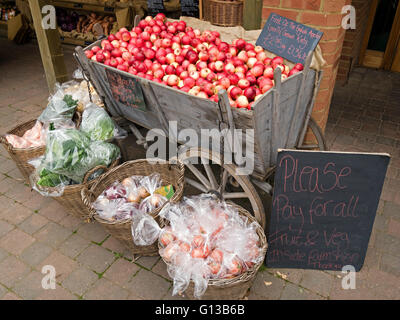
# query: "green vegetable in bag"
97 124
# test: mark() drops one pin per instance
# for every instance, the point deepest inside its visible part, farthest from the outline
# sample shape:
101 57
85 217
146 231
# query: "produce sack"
98 125
34 137
61 106
134 196
205 239
69 155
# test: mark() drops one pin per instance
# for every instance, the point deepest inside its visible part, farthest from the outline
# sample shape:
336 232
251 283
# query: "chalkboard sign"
155 6
288 38
126 90
190 8
323 209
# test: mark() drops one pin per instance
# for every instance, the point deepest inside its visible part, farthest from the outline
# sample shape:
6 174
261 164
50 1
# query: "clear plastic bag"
61 106
151 200
114 209
70 154
98 125
206 239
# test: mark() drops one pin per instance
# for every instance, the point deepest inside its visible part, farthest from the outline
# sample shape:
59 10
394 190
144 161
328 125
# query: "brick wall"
353 40
323 15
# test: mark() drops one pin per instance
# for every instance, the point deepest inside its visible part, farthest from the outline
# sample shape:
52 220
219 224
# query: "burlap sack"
228 34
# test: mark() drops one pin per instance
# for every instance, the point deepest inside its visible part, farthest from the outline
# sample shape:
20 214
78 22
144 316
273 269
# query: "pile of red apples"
199 63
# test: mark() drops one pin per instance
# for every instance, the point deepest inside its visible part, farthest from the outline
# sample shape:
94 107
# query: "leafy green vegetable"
69 101
97 124
50 179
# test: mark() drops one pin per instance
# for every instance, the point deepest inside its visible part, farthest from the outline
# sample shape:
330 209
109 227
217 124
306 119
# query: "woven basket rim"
178 167
249 274
31 123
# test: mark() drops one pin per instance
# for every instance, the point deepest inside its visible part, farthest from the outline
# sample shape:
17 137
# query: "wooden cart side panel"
263 128
147 118
305 105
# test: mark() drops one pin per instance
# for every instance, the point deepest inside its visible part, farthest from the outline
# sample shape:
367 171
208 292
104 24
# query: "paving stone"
10 296
16 241
106 290
80 280
388 244
3 290
317 281
267 286
161 269
16 175
139 285
390 264
292 275
93 232
16 213
121 272
293 292
35 254
52 234
393 227
74 245
383 285
71 222
30 286
63 265
96 258
391 209
59 293
5 227
36 201
12 270
7 165
114 245
3 254
32 224
147 262
54 212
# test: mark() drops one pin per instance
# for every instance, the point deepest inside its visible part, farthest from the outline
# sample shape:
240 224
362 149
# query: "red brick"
333 5
285 13
394 228
302 4
321 19
328 47
331 33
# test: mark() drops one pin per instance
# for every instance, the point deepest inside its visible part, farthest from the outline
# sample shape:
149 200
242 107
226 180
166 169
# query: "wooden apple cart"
279 119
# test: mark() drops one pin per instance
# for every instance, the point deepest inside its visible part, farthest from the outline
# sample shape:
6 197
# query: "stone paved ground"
35 231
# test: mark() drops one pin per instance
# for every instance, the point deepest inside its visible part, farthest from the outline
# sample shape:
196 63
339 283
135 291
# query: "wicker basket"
223 13
234 288
71 198
21 156
121 230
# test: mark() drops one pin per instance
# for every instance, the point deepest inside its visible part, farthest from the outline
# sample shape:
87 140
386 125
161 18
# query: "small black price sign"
190 8
288 38
155 6
126 90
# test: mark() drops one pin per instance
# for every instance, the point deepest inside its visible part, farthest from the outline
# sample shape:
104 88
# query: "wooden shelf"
89 7
75 42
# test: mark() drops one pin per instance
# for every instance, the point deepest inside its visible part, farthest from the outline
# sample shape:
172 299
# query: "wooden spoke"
224 179
234 195
195 184
210 174
199 175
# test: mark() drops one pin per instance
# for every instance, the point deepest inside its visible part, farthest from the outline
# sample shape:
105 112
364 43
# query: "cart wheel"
316 130
207 174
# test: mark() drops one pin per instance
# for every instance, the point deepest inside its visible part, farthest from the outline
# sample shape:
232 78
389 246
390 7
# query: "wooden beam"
252 10
50 47
367 34
393 41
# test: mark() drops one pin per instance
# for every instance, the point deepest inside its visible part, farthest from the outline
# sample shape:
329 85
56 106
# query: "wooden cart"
280 119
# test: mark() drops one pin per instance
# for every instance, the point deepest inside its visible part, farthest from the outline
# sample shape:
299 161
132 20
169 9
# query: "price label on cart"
288 38
126 90
323 209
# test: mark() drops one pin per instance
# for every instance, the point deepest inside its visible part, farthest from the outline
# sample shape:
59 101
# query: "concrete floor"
36 231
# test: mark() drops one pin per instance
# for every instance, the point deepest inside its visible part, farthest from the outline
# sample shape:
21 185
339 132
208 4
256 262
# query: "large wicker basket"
121 230
71 198
22 156
234 288
224 12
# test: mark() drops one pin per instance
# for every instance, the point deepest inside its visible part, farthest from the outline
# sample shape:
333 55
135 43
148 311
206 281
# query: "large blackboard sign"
155 6
126 90
324 207
288 38
190 8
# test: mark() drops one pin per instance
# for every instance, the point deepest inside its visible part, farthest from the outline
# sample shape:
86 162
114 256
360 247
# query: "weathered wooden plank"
50 47
252 10
275 116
